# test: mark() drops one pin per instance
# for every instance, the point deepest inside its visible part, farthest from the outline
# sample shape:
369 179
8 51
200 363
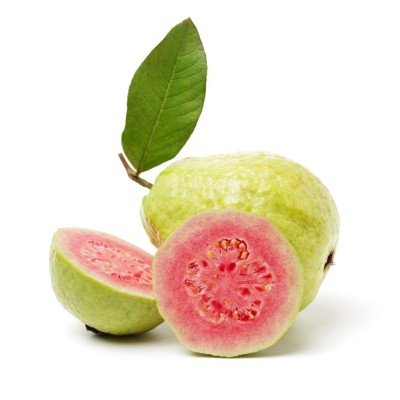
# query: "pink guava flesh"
228 283
109 259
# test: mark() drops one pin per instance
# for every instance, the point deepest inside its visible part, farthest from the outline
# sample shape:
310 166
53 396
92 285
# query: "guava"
268 185
104 281
227 283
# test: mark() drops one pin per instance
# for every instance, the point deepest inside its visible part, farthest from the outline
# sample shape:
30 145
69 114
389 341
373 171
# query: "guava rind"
98 305
190 240
268 185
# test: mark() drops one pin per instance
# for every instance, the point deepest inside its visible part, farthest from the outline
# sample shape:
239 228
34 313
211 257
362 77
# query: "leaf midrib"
163 102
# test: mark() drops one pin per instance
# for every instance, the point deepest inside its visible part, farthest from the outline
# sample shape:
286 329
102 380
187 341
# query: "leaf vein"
144 98
163 101
190 66
186 90
181 115
161 138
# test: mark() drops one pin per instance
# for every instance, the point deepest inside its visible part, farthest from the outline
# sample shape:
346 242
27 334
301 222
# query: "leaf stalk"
133 174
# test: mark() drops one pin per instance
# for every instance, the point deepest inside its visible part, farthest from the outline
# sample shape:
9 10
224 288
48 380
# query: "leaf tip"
189 21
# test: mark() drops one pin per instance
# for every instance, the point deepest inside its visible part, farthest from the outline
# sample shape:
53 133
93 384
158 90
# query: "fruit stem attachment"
134 175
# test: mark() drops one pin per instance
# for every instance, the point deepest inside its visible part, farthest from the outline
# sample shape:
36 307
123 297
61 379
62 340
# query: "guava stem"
134 175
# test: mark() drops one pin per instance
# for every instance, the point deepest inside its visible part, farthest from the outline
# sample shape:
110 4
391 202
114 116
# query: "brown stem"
134 175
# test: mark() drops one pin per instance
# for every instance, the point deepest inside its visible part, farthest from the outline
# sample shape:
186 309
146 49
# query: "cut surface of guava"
104 281
228 283
265 184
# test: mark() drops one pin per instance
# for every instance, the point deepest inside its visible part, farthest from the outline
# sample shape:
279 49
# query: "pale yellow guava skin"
270 186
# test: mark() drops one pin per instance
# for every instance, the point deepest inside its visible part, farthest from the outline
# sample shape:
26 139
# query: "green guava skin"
268 185
98 305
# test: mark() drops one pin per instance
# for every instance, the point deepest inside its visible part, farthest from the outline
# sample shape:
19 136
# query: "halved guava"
104 281
228 283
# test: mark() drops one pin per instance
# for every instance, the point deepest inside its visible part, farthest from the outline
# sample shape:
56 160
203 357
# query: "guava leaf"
165 98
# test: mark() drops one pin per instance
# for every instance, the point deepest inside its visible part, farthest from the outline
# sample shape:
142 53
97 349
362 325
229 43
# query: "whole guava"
268 185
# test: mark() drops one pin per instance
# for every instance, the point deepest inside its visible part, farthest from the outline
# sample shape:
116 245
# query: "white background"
316 81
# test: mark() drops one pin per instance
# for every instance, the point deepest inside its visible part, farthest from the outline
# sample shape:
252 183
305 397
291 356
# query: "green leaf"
165 98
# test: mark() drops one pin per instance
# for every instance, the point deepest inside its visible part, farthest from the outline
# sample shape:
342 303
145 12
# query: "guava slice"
265 184
227 283
104 281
